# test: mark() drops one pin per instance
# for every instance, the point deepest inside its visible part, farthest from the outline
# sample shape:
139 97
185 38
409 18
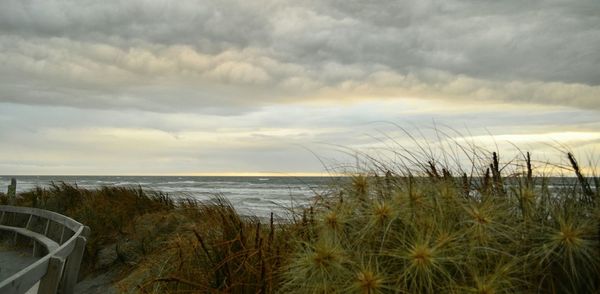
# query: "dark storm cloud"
227 56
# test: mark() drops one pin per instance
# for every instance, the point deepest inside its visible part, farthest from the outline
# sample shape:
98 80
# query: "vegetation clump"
430 229
431 232
152 243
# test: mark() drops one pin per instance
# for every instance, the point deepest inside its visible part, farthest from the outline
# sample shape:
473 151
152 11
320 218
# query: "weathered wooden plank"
29 221
49 243
12 191
60 267
71 273
47 227
25 279
63 235
50 281
70 223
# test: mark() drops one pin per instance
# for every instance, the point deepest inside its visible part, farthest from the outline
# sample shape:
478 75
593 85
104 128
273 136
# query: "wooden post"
28 227
63 235
73 264
29 221
49 283
47 227
38 249
12 191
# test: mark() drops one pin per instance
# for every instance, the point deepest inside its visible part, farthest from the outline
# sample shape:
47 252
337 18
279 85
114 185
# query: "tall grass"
218 251
420 225
110 212
427 231
163 245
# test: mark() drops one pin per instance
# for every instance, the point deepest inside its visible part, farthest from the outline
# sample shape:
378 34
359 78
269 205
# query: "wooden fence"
58 241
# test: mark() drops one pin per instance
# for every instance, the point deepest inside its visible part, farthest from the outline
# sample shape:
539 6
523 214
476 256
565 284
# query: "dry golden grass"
383 231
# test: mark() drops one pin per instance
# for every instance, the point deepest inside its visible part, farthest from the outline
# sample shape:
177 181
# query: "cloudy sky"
272 86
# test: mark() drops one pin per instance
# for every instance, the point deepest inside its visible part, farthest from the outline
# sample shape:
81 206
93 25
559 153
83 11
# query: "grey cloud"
534 40
212 25
233 56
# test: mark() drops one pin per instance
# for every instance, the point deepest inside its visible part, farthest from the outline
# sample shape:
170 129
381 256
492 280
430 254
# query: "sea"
258 196
255 196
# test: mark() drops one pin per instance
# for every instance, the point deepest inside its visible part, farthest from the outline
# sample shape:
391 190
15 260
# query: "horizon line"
203 174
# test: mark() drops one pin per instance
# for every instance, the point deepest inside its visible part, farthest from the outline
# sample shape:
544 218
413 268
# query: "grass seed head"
368 282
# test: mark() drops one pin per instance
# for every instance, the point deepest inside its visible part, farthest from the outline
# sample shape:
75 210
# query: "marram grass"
431 232
396 230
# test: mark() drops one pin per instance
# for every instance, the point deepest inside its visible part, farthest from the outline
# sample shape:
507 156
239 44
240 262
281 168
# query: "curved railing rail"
61 238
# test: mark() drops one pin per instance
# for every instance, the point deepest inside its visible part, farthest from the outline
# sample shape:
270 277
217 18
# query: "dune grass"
161 245
430 229
431 232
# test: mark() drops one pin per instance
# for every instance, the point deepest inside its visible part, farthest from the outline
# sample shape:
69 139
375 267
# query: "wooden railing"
58 240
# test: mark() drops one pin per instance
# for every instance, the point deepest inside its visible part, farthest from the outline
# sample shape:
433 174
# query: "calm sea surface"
250 195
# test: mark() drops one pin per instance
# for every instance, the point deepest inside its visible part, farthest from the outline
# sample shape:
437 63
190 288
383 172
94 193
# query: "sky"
145 87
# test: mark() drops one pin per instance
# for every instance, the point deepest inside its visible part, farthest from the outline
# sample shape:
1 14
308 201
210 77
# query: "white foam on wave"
253 196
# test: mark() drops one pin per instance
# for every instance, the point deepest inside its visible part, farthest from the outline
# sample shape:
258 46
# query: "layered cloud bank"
241 63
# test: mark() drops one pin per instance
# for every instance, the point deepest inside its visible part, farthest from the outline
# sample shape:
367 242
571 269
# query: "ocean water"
250 195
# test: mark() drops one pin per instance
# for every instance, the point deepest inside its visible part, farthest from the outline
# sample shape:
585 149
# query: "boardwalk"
52 265
13 261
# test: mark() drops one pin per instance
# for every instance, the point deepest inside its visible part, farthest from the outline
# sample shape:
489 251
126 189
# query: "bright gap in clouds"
568 138
273 140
